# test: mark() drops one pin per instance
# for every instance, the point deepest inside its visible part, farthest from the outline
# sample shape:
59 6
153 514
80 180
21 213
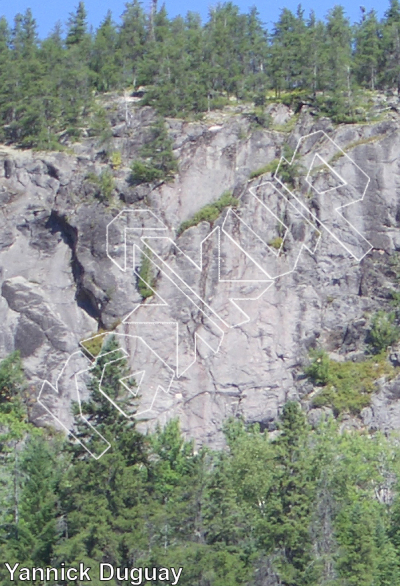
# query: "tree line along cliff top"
48 87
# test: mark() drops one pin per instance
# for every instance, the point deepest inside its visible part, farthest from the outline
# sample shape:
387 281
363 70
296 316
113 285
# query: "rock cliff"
238 302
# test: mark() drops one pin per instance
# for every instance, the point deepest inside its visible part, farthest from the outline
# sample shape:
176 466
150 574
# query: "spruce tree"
6 75
77 26
283 60
358 554
132 43
340 84
289 500
390 66
105 58
40 471
316 74
76 89
367 55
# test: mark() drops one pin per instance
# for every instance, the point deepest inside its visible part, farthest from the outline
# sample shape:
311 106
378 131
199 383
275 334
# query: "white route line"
332 170
303 246
199 268
197 336
78 399
143 371
161 227
56 388
339 208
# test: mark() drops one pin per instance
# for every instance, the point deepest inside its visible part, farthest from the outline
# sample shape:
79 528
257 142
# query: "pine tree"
52 54
339 47
257 55
40 470
224 38
13 433
388 563
98 497
76 88
27 117
102 414
6 75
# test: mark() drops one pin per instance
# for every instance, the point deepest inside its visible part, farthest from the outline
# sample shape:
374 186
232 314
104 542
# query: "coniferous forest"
300 506
48 87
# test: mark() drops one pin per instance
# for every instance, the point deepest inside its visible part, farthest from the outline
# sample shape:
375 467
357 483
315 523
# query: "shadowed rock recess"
58 286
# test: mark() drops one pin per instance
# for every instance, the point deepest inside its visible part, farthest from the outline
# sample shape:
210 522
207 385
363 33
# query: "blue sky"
47 12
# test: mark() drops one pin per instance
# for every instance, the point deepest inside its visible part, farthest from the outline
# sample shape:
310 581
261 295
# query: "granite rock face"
238 303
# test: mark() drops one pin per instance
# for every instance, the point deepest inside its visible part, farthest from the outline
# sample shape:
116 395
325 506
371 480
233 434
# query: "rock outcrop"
300 274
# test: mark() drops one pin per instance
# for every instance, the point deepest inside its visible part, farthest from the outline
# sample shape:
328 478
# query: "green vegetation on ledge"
210 212
346 386
270 167
94 343
288 170
146 279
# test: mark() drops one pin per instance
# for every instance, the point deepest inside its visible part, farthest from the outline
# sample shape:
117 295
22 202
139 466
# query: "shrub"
99 125
259 118
318 371
260 99
11 377
263 119
104 184
341 107
144 173
94 344
107 184
218 102
116 160
276 242
384 332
